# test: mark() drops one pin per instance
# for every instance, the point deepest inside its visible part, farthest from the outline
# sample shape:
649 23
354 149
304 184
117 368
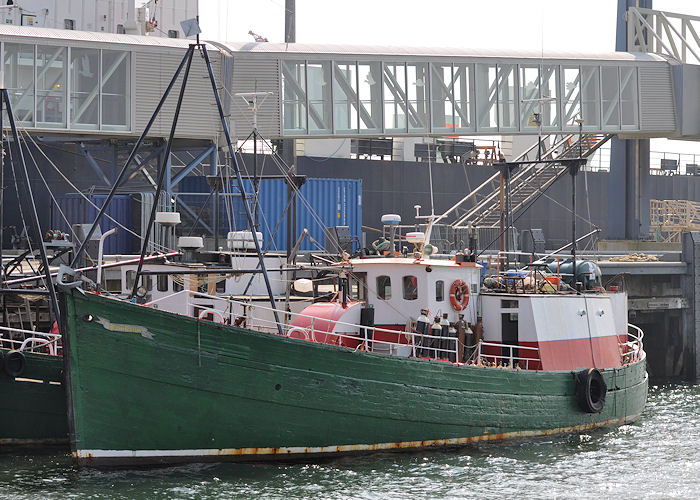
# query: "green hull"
149 386
33 406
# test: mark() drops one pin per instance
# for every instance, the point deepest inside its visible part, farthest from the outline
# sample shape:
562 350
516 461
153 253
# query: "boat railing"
29 340
363 337
511 360
632 350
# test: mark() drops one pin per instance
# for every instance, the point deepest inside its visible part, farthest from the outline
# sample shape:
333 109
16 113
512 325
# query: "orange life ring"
459 295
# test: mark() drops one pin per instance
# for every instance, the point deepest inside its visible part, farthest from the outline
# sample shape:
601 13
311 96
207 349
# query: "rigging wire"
162 248
46 185
21 211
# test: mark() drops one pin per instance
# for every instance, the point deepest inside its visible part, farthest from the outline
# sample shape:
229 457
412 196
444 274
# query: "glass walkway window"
116 75
486 91
549 88
395 98
19 81
571 94
369 88
355 97
294 96
85 86
345 97
68 87
319 91
507 98
590 97
417 102
529 94
610 95
629 107
51 86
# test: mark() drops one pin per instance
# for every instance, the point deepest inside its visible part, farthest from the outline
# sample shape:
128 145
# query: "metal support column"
628 216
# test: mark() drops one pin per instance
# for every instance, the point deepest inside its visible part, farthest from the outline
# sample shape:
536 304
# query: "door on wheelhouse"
509 338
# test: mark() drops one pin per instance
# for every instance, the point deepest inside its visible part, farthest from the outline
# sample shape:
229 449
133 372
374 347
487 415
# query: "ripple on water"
656 457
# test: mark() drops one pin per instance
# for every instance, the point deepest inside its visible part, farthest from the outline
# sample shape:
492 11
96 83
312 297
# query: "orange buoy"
459 295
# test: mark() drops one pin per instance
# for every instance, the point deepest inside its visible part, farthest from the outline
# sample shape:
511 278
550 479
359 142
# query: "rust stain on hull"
103 456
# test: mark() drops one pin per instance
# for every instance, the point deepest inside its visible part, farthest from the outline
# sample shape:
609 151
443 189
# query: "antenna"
190 27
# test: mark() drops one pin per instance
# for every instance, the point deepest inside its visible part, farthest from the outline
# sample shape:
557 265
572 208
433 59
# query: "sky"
518 25
549 25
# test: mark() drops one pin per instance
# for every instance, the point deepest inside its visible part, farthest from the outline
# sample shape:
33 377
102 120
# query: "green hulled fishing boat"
368 370
147 386
33 402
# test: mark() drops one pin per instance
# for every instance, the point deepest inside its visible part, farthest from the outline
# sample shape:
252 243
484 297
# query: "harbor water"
656 457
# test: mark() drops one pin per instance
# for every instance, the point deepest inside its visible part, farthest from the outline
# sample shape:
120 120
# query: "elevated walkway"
111 82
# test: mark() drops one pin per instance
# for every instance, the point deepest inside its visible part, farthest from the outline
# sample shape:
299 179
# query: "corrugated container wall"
77 210
323 203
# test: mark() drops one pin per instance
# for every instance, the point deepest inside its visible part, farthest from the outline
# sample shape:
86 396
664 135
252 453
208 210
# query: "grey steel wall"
395 187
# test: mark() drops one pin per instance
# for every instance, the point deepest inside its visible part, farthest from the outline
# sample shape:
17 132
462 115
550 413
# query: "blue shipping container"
323 203
74 209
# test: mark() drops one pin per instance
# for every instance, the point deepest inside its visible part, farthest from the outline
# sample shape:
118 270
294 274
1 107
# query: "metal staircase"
529 180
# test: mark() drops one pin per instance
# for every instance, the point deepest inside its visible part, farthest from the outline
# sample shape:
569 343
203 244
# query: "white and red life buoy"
459 295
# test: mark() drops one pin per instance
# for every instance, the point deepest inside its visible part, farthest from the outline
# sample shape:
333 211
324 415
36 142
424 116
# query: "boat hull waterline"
157 387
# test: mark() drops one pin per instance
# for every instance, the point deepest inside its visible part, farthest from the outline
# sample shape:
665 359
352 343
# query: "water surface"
656 457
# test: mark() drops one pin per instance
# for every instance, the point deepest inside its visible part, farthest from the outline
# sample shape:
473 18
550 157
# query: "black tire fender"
14 358
590 390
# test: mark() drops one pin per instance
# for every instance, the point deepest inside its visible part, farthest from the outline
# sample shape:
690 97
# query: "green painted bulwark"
33 405
159 387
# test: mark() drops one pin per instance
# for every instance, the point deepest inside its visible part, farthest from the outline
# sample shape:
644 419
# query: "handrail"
49 340
43 342
479 358
415 338
418 343
632 350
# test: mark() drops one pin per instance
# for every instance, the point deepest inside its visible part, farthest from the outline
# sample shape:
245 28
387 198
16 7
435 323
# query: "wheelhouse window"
358 286
130 276
509 304
162 283
439 291
384 287
410 288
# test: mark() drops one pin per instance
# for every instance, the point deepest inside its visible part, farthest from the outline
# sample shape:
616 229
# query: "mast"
35 217
239 180
2 207
163 168
574 171
122 173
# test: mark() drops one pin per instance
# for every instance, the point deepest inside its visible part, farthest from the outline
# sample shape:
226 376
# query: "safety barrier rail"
29 340
479 357
632 350
416 344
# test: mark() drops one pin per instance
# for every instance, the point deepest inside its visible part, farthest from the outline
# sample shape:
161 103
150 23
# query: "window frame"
381 289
